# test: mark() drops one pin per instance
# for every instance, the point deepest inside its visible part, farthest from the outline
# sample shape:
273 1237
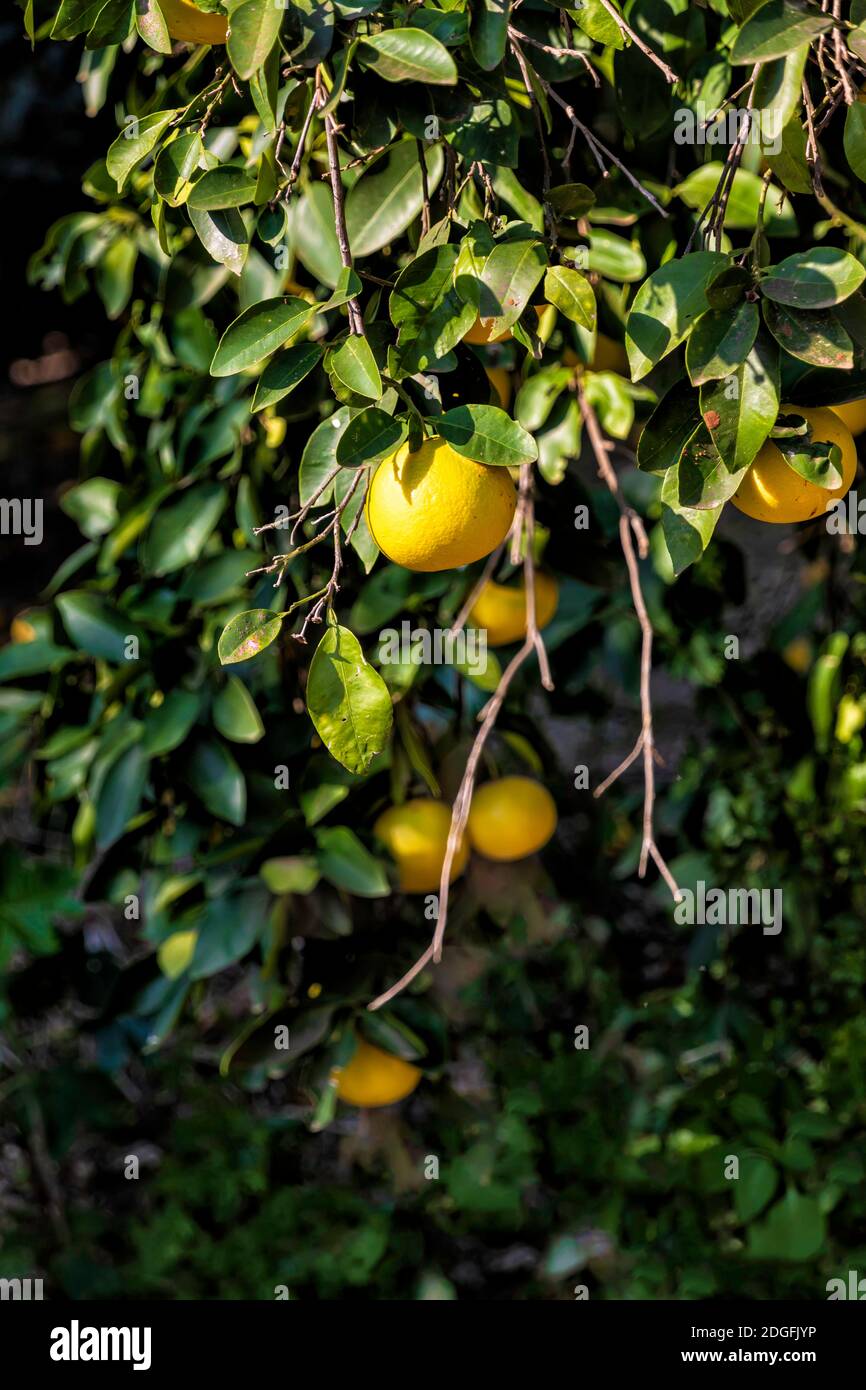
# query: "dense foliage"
295 234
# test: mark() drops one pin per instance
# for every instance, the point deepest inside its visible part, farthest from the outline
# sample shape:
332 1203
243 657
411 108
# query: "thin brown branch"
599 150
634 545
356 321
638 41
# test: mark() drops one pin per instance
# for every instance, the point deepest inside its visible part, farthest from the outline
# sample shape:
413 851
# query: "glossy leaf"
814 279
248 634
347 700
666 306
258 332
408 55
486 434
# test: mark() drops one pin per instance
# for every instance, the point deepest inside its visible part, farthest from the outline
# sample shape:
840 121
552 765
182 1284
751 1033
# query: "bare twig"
599 151
638 41
557 52
356 321
631 531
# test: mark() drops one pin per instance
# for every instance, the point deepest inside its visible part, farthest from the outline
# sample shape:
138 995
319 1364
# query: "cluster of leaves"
192 789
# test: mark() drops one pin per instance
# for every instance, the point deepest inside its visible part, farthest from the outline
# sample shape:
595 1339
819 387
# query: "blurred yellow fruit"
500 380
21 630
772 491
609 356
435 510
275 431
190 24
798 655
374 1077
501 609
416 834
176 952
852 414
511 818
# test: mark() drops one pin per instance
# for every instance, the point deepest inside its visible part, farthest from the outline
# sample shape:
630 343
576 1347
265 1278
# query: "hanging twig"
356 321
533 642
631 532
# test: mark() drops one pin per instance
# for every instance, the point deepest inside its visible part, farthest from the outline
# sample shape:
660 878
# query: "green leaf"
389 196
217 781
720 340
427 308
297 873
227 931
488 33
355 366
687 530
572 295
229 186
120 794
235 715
347 864
571 200
666 306
816 460
740 411
408 55
92 505
93 626
248 634
755 1186
175 166
319 458
166 727
347 700
778 28
817 337
253 32
258 332
223 235
370 435
314 234
789 163
285 372
151 25
486 434
135 143
614 257
795 1229
854 139
511 273
814 279
180 530
669 429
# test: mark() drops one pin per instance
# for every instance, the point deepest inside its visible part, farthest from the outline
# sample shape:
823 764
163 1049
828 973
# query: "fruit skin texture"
435 510
511 818
501 609
772 491
416 834
374 1077
190 24
21 630
176 952
852 414
500 380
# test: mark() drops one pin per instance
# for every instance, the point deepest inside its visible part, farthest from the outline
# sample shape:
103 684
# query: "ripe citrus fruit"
435 510
511 818
609 356
374 1077
500 380
416 834
772 491
852 414
176 952
187 22
21 630
501 609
